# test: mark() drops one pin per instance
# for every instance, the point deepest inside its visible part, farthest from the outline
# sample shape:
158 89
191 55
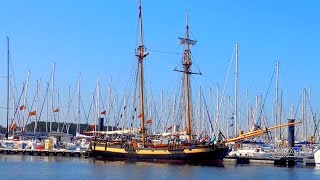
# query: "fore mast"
141 53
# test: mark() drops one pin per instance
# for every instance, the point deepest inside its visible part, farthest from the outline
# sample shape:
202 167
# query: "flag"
23 107
103 112
32 113
13 126
140 116
149 121
92 127
187 41
56 110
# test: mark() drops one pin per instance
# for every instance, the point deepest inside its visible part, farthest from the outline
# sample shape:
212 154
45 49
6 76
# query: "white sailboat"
317 157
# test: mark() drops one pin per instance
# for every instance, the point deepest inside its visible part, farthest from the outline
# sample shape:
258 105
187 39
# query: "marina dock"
43 152
276 161
236 160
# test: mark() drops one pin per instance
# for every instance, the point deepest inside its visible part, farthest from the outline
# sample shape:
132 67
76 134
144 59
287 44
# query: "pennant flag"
13 126
22 107
103 112
140 116
32 113
149 121
56 110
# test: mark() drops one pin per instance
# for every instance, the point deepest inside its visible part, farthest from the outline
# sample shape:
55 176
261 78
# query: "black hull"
212 157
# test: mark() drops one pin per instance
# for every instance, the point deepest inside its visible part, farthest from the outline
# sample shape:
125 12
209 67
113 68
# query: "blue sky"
100 37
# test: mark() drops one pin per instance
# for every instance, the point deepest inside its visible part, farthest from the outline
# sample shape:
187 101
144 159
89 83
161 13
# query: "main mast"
187 65
141 54
187 72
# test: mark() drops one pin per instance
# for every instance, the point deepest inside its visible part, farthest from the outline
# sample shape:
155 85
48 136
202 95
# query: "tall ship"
138 145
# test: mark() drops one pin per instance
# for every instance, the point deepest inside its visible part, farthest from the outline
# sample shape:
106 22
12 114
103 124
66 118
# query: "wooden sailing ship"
137 148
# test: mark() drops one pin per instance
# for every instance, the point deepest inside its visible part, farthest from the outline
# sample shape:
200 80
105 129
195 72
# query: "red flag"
22 107
13 126
32 113
92 127
140 116
103 112
149 121
56 110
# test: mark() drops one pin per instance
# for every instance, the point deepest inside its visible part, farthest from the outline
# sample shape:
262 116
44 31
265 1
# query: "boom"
258 132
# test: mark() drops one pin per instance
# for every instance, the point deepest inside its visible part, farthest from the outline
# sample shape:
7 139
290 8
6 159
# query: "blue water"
42 167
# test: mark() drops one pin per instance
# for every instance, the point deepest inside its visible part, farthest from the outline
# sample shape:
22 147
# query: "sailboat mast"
141 54
25 101
47 108
52 95
186 70
37 107
78 107
140 24
109 104
277 100
236 94
58 105
97 103
187 65
8 81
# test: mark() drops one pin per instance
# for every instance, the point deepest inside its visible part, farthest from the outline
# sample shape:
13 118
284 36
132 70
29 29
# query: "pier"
43 152
236 160
276 161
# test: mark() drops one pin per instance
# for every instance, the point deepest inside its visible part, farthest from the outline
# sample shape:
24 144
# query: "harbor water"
49 167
